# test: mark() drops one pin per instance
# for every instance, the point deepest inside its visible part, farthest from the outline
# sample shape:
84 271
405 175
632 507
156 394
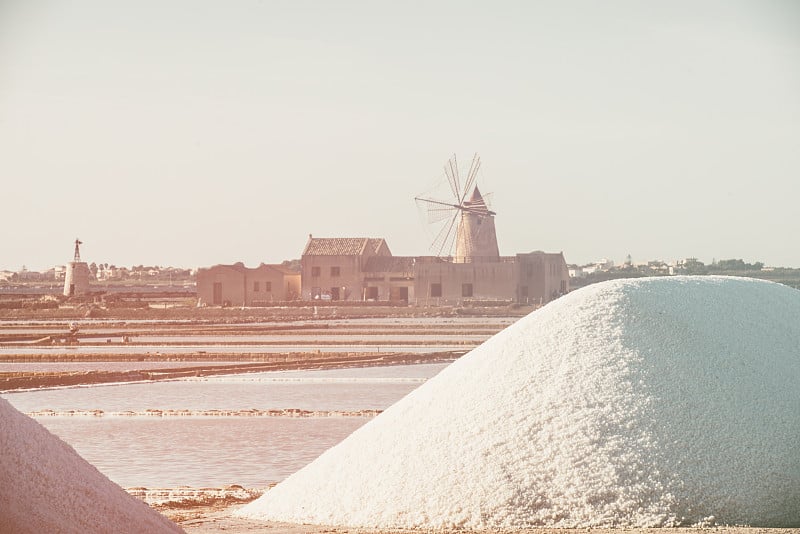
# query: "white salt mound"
632 403
45 486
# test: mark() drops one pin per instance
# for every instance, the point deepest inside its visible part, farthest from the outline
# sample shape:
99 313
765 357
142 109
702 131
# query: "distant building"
30 276
576 271
59 272
363 269
77 275
476 236
333 268
390 278
237 285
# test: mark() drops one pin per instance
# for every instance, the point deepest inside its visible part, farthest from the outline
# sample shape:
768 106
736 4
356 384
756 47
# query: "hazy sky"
190 133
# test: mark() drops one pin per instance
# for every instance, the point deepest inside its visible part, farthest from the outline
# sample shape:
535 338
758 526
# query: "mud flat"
300 361
213 513
210 520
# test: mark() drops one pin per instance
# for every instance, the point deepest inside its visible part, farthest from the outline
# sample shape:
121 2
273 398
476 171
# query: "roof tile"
342 246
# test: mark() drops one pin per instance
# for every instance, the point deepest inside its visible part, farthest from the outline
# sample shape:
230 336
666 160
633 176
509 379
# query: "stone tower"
76 281
476 236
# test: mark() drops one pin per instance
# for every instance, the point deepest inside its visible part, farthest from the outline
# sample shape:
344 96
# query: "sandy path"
222 521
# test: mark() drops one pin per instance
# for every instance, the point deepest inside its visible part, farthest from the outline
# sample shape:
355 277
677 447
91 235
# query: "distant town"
107 276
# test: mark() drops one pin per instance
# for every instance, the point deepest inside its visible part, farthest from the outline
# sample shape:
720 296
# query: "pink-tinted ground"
223 521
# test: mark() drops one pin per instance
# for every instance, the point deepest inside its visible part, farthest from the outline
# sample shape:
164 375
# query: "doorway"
398 294
217 294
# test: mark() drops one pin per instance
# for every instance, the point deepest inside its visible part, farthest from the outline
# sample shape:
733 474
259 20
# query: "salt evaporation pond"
201 452
632 403
334 389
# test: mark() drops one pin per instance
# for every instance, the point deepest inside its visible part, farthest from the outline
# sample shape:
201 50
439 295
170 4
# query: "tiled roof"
389 264
342 246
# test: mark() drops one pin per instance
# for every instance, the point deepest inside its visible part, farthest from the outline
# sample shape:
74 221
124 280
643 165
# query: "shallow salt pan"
649 402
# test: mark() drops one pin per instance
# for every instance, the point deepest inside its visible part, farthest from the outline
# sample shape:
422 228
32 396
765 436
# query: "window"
436 290
315 271
256 287
267 286
335 271
466 290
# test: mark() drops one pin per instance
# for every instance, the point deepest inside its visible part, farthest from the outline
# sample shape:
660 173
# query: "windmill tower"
465 220
76 281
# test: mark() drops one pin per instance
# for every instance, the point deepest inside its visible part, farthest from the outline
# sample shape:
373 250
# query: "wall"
77 274
232 280
490 279
541 277
348 281
390 286
242 286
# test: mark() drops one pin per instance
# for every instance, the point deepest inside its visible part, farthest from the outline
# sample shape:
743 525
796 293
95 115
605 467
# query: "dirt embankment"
31 380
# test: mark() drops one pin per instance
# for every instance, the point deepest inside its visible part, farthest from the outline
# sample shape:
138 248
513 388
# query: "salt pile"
632 403
45 486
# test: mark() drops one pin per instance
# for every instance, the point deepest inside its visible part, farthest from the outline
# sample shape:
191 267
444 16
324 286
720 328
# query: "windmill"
465 219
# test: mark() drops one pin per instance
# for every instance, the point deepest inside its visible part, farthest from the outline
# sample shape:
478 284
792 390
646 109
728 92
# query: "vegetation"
692 266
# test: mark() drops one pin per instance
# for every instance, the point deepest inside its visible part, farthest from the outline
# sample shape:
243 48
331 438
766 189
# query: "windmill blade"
451 171
487 199
473 174
446 236
436 215
436 211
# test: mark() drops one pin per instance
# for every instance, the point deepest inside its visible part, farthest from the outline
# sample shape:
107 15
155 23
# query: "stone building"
333 268
76 276
533 278
476 236
363 269
237 285
441 281
389 278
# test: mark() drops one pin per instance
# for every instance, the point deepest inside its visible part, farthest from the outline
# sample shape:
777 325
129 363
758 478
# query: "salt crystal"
631 403
45 486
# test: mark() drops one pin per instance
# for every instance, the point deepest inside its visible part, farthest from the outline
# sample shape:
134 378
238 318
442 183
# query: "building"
532 278
363 269
334 268
541 277
77 275
476 236
390 278
237 285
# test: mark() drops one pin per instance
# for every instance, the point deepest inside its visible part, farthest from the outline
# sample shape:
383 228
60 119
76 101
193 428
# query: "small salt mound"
635 403
45 486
